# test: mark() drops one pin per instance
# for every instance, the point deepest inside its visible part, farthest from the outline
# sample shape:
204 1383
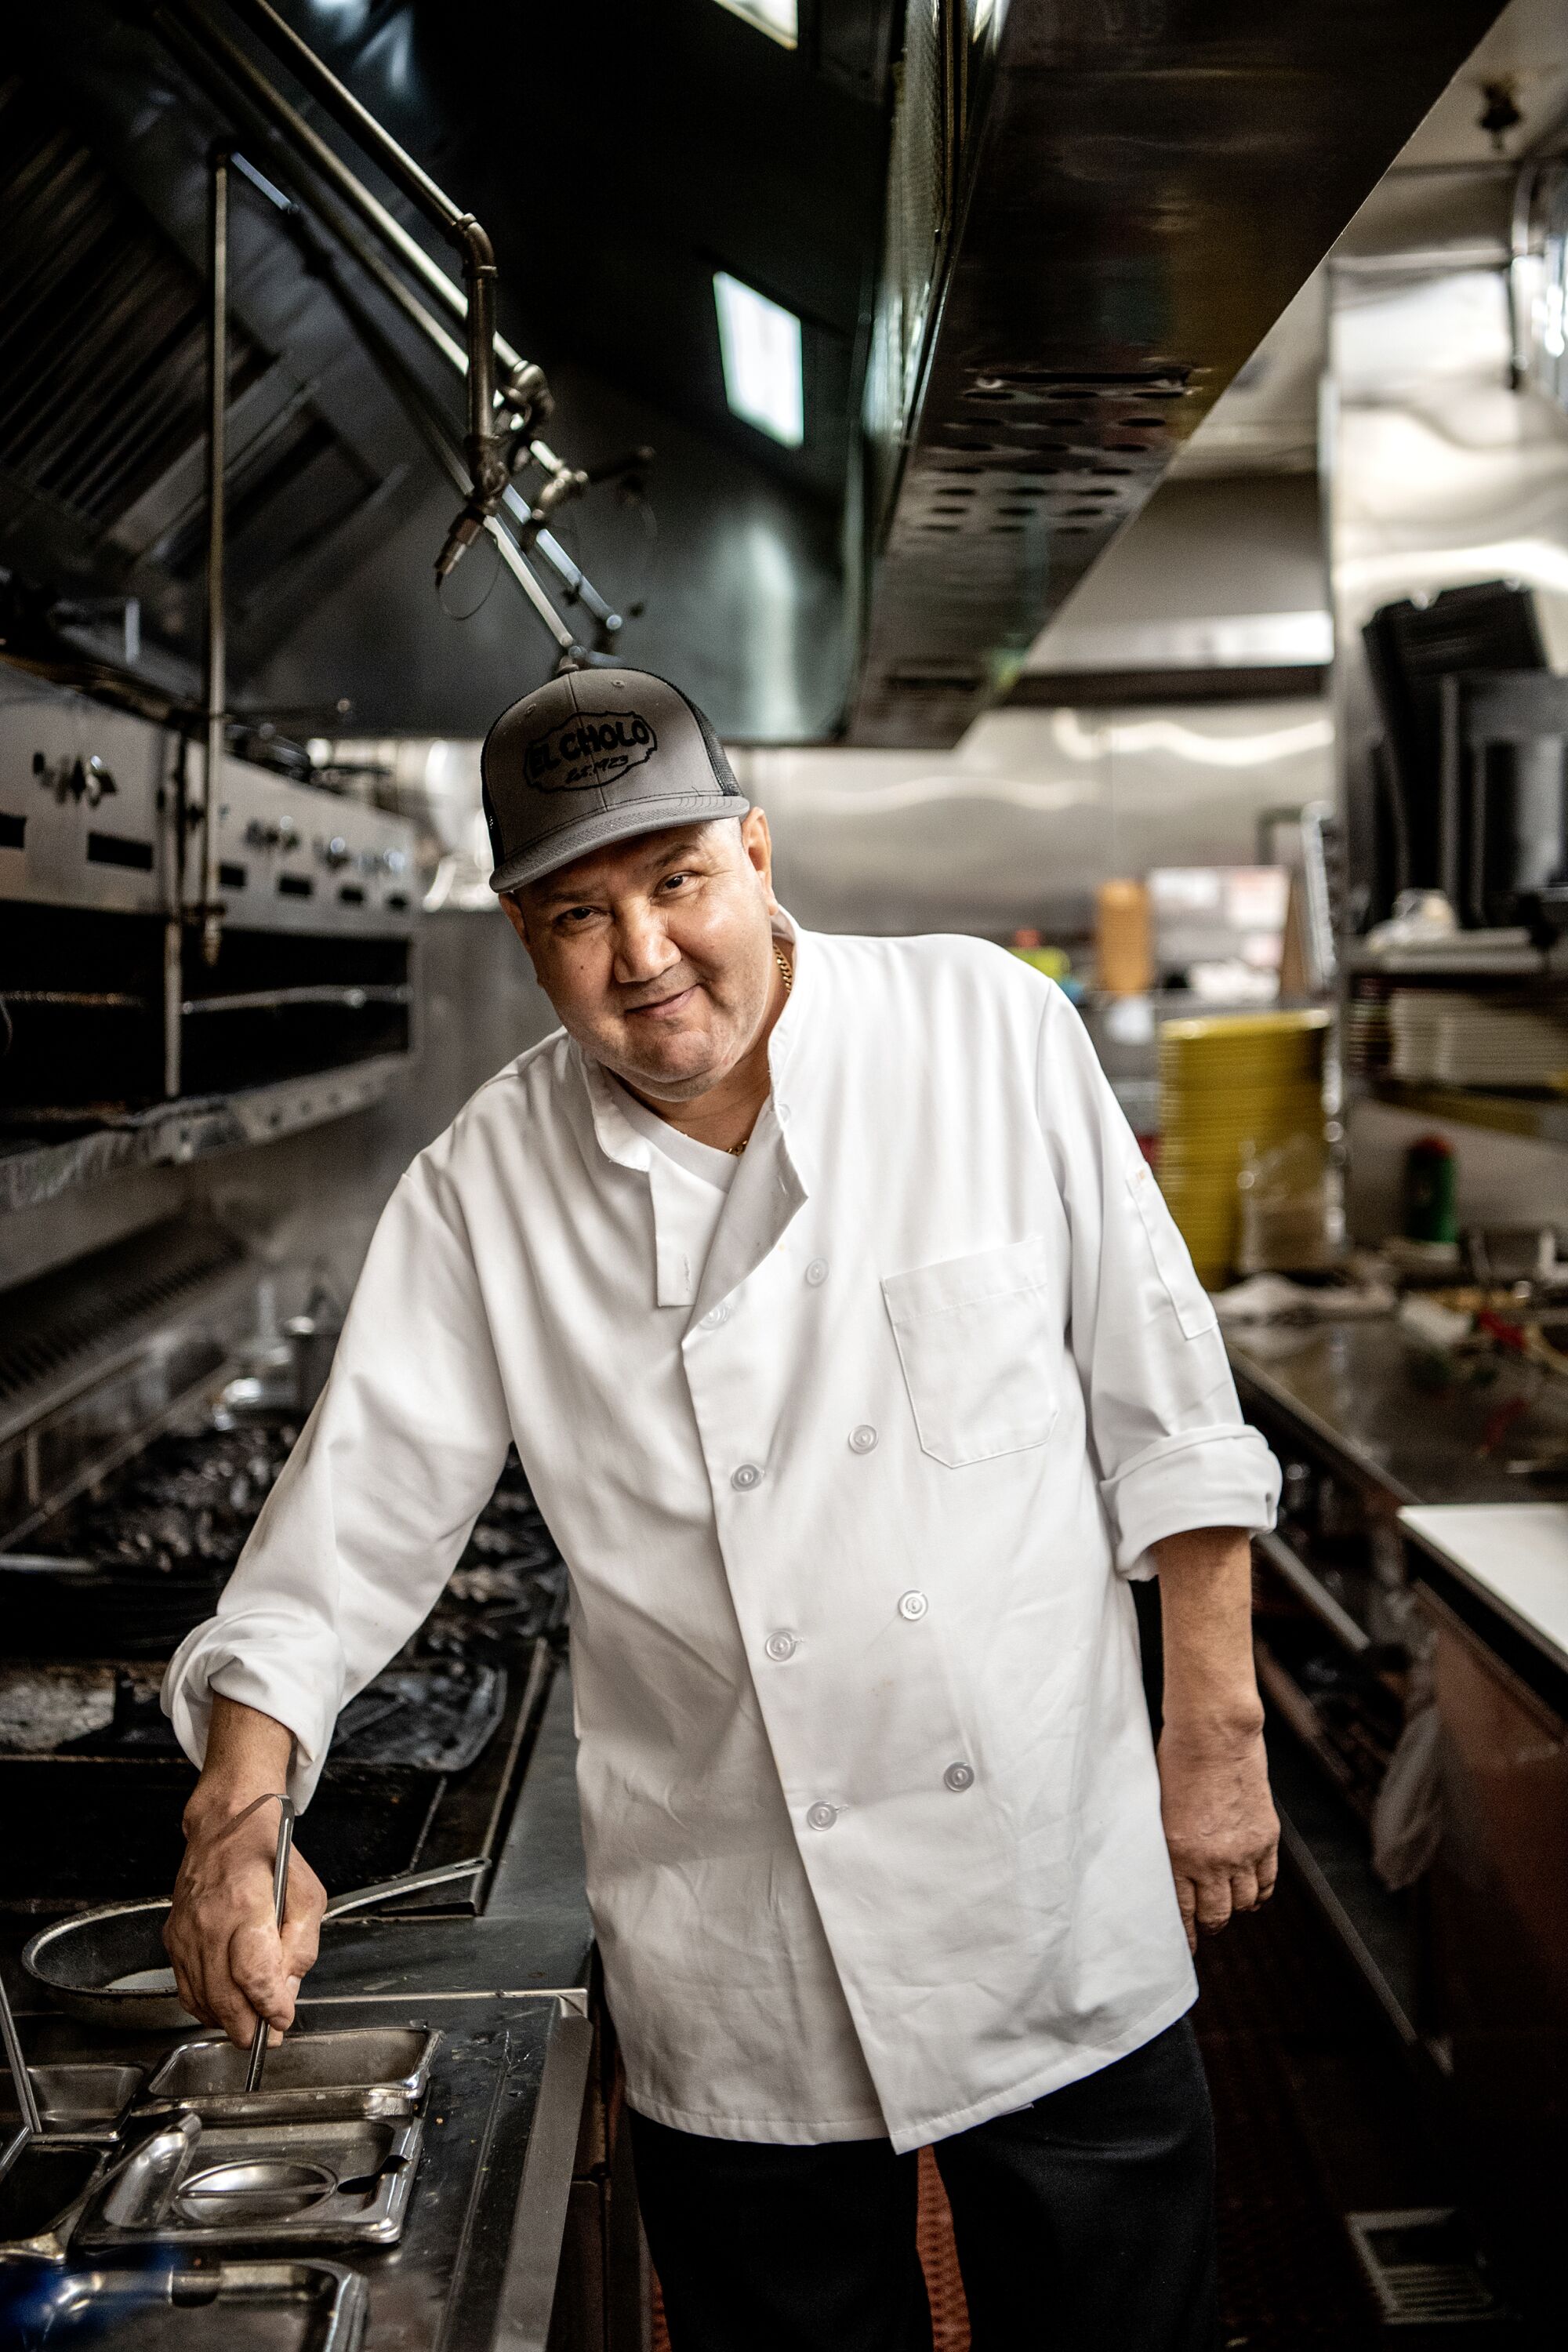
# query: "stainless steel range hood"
1097 209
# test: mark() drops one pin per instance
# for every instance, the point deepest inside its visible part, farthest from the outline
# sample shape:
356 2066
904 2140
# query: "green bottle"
1430 1190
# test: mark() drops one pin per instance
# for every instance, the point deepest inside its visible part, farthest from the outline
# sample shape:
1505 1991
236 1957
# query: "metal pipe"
176 834
191 37
415 399
579 587
173 990
522 387
387 280
350 997
522 384
484 447
349 115
488 471
215 666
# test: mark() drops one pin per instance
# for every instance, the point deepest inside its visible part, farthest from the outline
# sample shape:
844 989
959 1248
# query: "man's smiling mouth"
664 1004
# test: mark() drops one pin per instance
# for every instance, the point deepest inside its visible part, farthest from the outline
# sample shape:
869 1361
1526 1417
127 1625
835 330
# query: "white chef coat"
869 1792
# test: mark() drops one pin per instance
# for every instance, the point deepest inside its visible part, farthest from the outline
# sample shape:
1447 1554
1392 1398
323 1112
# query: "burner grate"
1422 2266
64 1326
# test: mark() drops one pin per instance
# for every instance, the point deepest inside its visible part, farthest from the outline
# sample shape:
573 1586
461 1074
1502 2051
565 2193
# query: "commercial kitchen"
1103 472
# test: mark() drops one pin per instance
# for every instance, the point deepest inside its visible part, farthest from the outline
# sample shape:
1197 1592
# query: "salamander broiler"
116 995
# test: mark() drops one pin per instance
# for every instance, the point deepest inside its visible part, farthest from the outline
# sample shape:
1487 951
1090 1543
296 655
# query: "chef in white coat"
856 1367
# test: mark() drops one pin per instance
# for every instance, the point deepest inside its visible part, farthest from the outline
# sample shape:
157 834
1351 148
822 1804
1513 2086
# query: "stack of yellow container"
1231 1083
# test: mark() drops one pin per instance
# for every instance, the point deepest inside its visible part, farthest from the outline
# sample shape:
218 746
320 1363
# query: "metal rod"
581 588
279 1903
405 386
523 384
215 681
350 115
358 246
174 989
486 446
27 2098
308 142
416 400
353 998
517 564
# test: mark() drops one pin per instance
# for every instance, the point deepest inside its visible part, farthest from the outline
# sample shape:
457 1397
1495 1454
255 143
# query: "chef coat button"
822 1817
783 1113
913 1606
780 1646
747 1476
959 1777
816 1272
715 1315
863 1439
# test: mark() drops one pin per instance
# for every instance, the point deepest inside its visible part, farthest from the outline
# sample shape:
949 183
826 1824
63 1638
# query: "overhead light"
779 19
761 346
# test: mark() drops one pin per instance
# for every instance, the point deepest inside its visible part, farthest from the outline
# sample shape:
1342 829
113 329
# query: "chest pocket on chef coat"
979 1344
1194 1309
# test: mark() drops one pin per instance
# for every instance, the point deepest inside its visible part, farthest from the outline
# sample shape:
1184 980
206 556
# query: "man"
856 1364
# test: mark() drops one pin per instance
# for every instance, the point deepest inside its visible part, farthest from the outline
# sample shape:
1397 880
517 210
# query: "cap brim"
607 826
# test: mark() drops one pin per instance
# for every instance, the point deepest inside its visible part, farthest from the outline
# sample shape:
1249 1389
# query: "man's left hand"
1220 1824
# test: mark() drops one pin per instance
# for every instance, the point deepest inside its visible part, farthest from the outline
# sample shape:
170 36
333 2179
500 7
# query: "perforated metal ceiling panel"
1140 189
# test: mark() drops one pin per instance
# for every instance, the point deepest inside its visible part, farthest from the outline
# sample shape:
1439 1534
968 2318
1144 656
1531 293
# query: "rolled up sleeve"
374 1504
1169 1445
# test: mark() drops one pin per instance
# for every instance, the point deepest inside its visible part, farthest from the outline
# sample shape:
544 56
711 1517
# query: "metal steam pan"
43 2185
194 2185
279 2306
79 2102
371 2070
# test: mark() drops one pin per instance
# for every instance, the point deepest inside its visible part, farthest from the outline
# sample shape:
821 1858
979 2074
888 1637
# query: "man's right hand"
231 1965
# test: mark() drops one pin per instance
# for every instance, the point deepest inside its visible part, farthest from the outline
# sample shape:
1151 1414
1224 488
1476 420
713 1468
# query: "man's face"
658 953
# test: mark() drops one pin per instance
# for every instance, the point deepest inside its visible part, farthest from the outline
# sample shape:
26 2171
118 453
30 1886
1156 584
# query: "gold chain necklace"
782 962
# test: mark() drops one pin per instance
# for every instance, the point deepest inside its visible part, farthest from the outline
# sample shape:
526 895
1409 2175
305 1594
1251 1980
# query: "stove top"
425 1761
127 1571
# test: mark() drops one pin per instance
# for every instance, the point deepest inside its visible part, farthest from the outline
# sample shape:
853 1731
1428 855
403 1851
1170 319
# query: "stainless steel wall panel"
1031 810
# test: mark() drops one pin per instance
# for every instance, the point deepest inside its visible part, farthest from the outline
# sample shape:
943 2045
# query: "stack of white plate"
1455 1037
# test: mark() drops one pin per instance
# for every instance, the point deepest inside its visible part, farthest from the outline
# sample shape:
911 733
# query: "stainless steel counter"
1511 1556
477 2268
1372 1395
1412 1604
534 1936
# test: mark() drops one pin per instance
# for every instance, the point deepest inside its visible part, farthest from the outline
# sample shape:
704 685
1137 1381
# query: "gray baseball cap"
594 757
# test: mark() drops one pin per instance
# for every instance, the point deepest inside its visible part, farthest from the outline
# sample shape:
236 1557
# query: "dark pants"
1085 2223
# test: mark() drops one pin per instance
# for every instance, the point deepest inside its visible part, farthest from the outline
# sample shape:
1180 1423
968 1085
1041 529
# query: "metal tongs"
279 1897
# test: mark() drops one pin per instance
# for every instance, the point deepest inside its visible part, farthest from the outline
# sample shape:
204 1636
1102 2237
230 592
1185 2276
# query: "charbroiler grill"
132 1465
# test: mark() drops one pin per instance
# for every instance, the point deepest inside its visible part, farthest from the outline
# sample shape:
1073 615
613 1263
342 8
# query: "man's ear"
757 843
518 922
